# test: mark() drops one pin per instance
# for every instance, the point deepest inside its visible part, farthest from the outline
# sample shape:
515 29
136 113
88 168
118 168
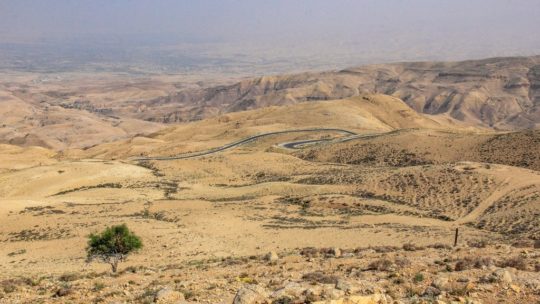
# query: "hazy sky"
394 29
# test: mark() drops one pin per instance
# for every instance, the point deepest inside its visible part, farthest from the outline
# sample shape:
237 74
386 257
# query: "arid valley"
344 186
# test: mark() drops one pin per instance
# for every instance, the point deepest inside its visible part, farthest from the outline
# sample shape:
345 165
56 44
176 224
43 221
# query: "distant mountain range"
499 93
66 111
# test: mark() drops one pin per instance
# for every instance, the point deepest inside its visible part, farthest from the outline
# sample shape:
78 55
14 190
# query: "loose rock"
251 294
168 295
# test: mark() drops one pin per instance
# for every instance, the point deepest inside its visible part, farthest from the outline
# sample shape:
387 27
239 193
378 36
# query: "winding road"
288 145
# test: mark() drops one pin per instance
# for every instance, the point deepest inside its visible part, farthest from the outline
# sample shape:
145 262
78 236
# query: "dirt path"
484 205
510 181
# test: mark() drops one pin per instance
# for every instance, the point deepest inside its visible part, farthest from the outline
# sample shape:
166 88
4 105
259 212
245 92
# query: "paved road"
302 143
299 144
248 140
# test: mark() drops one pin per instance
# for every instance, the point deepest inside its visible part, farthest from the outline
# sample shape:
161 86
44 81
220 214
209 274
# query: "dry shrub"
328 252
478 243
472 262
385 249
459 289
283 300
412 247
11 285
69 277
440 246
517 262
310 252
63 291
8 286
381 265
523 244
320 277
537 244
402 262
346 251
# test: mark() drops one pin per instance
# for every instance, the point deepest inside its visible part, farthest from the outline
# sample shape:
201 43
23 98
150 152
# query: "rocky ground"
471 273
264 224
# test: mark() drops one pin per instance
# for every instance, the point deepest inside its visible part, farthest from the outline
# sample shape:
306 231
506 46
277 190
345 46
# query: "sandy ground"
245 202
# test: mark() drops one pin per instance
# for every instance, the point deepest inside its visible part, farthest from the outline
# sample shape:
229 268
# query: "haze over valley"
274 152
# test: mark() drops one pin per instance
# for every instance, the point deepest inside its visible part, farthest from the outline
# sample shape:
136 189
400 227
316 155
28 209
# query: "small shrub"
98 286
18 252
63 291
516 262
188 294
69 277
328 252
411 291
320 277
419 277
385 249
247 279
473 262
402 262
381 265
459 290
478 243
31 281
411 247
147 296
283 300
523 244
8 286
310 252
440 246
463 265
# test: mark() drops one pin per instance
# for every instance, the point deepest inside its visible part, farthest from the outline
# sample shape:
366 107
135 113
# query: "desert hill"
362 114
424 147
33 118
15 157
501 93
79 110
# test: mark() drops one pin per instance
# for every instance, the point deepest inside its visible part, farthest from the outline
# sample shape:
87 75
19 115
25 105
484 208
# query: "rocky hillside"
84 110
502 93
414 147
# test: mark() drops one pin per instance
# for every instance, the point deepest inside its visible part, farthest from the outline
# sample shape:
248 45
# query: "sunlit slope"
366 114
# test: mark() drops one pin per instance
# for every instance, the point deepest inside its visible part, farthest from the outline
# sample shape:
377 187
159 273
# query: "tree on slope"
113 245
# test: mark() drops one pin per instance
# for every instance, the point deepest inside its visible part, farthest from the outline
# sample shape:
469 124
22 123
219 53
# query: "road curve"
299 144
247 140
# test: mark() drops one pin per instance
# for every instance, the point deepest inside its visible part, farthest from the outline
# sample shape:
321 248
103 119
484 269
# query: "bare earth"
365 219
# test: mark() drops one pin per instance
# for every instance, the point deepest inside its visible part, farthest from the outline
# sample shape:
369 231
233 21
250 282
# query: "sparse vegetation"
381 265
473 262
517 262
361 209
106 185
320 277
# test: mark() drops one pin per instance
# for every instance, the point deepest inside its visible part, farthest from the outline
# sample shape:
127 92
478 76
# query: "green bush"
419 277
113 245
